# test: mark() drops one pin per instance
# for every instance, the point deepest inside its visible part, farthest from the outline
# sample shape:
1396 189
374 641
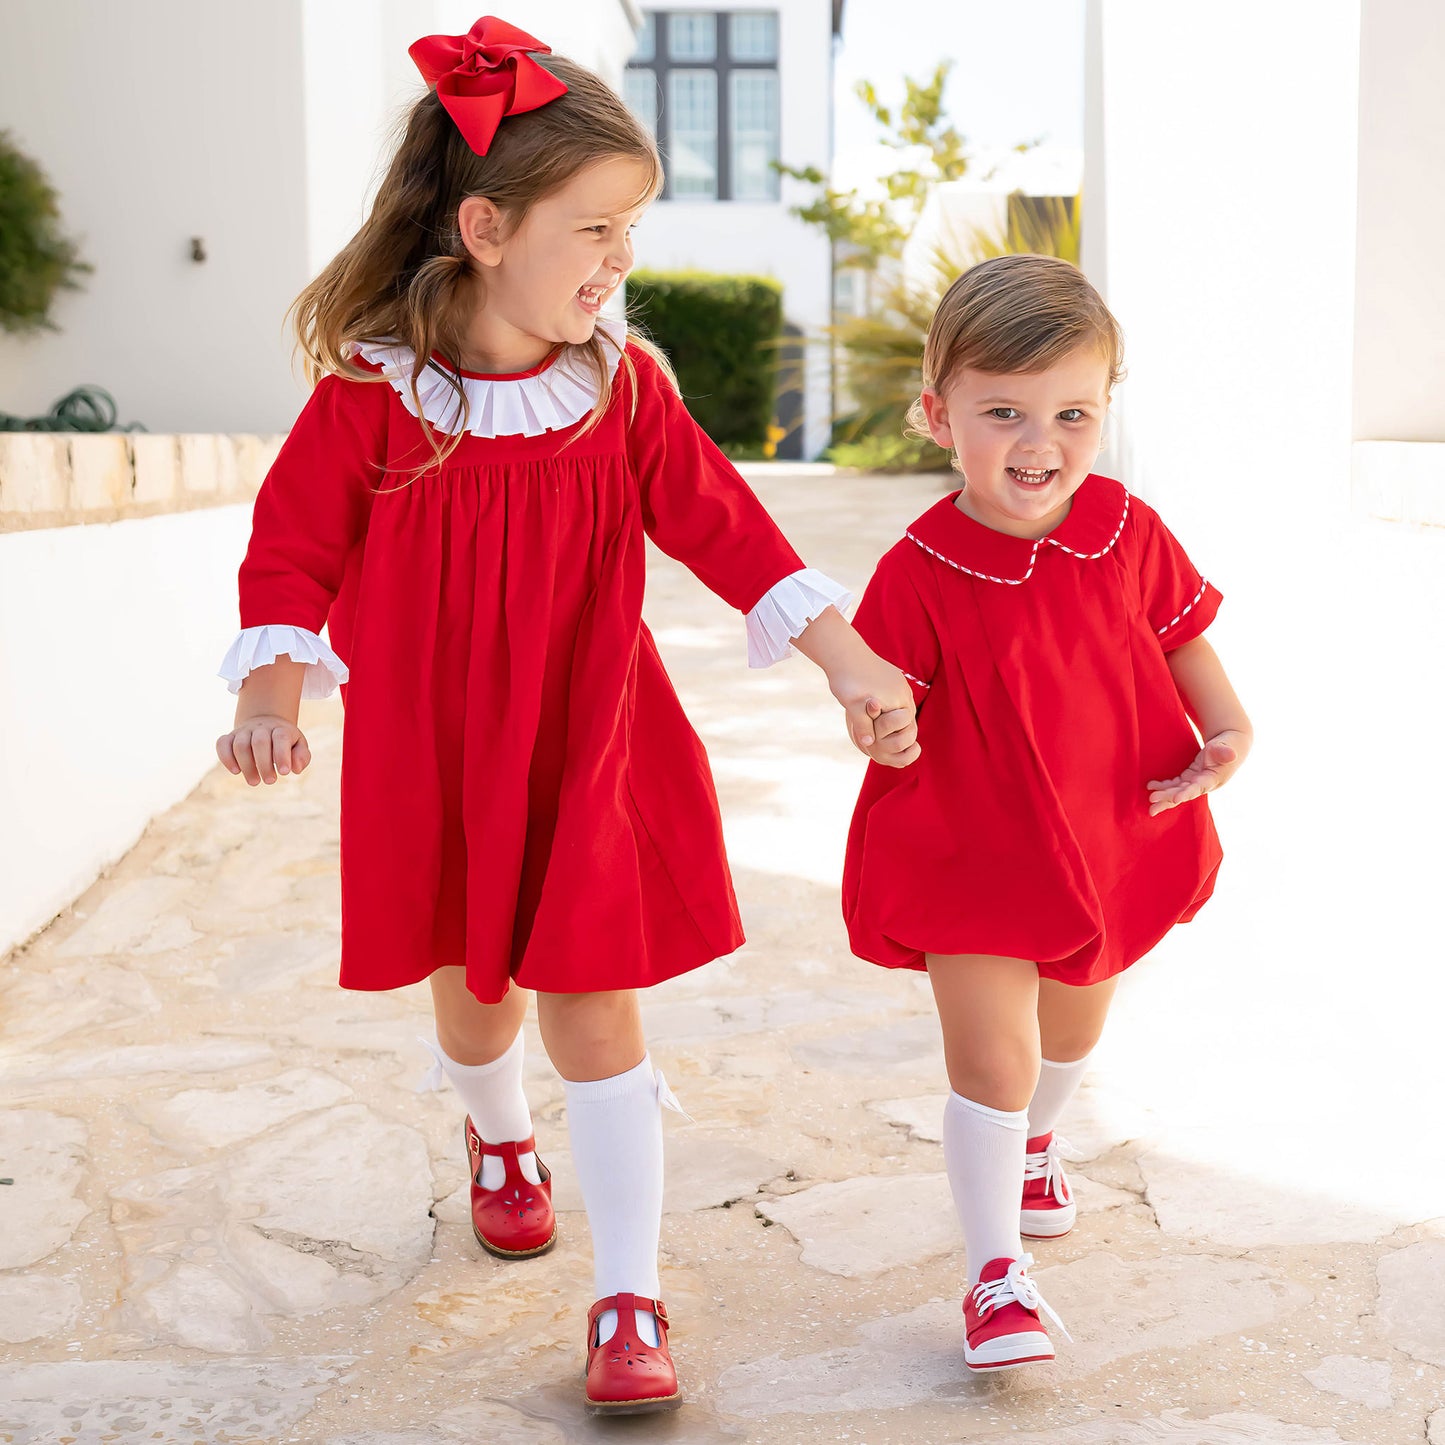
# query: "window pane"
646 38
692 128
755 134
692 37
639 90
753 35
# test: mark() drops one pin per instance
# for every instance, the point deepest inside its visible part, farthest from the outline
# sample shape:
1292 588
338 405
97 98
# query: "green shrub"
36 260
889 453
721 334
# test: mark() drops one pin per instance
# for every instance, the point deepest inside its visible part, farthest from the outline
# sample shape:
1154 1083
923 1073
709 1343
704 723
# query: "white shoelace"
1016 1285
1047 1164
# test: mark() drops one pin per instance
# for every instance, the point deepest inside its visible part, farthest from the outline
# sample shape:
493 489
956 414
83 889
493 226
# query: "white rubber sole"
1047 1223
1009 1352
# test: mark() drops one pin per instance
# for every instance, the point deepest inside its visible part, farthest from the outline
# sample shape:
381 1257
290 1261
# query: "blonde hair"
406 275
1013 314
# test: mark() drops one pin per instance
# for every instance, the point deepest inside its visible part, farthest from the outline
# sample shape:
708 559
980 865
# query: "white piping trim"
1194 602
917 680
1034 555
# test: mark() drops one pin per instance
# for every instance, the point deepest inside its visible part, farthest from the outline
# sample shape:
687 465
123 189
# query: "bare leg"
1072 1019
988 1010
469 1031
591 1036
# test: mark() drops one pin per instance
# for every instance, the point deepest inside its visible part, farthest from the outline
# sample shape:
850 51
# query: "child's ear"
480 221
935 411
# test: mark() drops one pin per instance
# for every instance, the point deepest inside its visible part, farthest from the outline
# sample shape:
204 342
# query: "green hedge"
720 333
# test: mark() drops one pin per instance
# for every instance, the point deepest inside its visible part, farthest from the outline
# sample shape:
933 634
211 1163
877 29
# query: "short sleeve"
1178 600
695 506
894 621
312 509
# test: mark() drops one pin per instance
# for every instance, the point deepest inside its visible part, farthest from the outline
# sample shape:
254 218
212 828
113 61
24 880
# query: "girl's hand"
264 747
1217 762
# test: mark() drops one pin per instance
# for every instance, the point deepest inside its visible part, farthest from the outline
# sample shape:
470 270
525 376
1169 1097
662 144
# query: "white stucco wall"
1400 285
110 636
1229 200
1228 248
157 121
739 237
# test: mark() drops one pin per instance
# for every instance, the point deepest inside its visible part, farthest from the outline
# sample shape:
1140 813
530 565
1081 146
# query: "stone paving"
230 1218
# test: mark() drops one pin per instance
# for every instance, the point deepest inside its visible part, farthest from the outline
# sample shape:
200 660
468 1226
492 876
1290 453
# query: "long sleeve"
309 517
695 505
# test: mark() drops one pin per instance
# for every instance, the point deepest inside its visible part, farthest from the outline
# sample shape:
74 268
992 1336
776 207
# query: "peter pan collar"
1095 522
556 395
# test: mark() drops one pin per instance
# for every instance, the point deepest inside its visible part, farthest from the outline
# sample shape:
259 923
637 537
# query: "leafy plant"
36 259
874 228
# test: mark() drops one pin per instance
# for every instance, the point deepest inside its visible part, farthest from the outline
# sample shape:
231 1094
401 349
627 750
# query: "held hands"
882 719
1217 762
262 748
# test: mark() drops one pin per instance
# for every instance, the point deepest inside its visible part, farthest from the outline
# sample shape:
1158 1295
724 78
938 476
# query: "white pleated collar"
552 399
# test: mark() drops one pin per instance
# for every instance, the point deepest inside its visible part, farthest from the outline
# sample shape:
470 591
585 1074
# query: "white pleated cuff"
786 609
260 646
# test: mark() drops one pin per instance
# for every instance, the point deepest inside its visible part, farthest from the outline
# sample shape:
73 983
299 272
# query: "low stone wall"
118 557
62 479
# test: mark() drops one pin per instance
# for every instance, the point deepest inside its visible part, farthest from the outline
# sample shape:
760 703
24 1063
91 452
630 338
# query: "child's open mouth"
1032 477
590 298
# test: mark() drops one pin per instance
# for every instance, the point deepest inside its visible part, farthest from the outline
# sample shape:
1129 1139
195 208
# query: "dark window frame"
722 65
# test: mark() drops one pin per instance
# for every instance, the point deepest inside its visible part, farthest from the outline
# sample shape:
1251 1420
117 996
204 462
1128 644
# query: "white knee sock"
1056 1086
616 1130
495 1100
983 1150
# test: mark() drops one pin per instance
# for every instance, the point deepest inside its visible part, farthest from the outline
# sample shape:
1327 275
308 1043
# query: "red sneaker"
515 1221
626 1376
1001 1318
1048 1205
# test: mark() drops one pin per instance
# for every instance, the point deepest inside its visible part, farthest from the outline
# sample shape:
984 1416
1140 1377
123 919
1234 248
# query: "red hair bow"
485 75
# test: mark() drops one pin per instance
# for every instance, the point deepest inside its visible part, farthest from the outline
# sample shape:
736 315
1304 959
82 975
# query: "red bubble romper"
1045 705
521 793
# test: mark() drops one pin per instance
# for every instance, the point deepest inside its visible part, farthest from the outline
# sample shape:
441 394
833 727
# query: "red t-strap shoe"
626 1376
515 1221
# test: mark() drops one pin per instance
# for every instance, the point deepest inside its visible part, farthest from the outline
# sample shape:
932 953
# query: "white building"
1264 208
1273 254
729 88
1273 257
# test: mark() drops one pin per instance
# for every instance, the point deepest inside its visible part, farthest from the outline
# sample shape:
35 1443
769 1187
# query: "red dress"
1045 705
521 793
